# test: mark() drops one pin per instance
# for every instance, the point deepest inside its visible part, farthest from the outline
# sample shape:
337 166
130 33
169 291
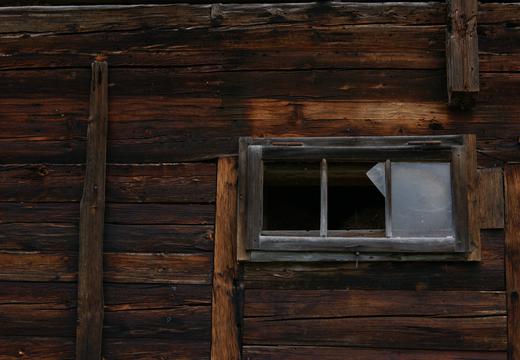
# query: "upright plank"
224 329
512 250
91 222
491 198
462 64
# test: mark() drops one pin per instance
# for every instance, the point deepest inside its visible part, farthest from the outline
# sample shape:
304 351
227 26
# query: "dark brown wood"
293 304
119 267
116 213
164 183
225 338
462 63
458 333
488 274
512 187
491 198
91 222
334 353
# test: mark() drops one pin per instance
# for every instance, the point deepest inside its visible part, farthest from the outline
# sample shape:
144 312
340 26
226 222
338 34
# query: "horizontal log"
291 304
488 274
119 267
48 348
118 238
118 297
116 213
164 183
254 30
334 353
472 333
49 309
184 16
42 348
142 129
333 29
158 268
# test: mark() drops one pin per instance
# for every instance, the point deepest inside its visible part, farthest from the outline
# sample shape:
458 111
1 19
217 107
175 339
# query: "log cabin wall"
185 82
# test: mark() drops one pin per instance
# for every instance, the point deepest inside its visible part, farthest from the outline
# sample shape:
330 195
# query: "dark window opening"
354 202
291 196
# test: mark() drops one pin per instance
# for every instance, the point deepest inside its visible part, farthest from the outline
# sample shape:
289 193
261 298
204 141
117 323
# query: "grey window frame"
327 245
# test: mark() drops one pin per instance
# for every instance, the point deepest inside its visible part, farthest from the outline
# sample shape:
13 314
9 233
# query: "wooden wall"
185 82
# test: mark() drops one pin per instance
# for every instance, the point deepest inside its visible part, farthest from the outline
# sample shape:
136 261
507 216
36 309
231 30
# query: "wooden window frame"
329 245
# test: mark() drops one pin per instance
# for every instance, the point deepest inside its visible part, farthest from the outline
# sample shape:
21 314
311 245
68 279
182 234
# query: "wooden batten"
491 198
91 222
462 63
224 330
512 259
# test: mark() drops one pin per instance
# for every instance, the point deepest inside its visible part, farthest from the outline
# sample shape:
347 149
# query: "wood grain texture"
92 221
488 274
56 237
480 333
225 335
125 25
334 353
116 213
164 183
491 198
462 62
291 304
512 184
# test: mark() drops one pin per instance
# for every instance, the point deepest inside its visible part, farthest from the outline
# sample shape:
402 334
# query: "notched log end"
463 100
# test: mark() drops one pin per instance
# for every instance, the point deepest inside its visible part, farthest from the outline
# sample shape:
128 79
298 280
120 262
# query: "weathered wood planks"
512 182
92 221
479 333
225 335
462 62
491 198
488 274
164 183
334 353
292 304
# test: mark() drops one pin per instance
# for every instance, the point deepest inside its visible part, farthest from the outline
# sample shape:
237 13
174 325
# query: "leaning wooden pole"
91 223
224 331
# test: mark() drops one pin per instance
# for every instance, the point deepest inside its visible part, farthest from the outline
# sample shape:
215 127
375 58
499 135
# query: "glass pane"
354 202
421 199
291 196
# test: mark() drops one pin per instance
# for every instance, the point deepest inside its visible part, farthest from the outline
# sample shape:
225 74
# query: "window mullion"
323 199
388 198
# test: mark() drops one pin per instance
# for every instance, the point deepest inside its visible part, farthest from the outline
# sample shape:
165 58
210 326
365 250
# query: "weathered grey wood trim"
323 198
316 256
356 141
255 189
458 149
383 244
356 153
388 198
242 241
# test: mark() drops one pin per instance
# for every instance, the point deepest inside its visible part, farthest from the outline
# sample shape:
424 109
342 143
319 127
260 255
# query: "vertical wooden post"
462 66
224 331
512 182
91 223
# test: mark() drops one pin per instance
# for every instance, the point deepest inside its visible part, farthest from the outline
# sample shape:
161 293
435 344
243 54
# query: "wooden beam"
512 259
462 65
491 198
224 330
91 222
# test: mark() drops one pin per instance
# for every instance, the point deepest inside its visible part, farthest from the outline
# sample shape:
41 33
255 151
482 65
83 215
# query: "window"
358 198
